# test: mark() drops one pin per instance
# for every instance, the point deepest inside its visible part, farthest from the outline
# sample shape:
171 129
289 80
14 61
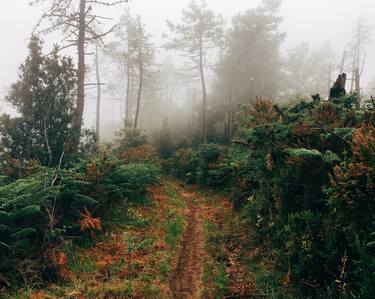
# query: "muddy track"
186 281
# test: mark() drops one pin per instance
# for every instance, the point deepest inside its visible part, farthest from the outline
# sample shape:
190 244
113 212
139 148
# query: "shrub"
140 154
37 212
305 180
129 138
163 142
206 165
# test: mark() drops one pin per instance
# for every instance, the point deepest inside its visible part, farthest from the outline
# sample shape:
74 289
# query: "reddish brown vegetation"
89 223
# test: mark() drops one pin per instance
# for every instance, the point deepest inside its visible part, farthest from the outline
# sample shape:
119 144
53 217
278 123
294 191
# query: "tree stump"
338 88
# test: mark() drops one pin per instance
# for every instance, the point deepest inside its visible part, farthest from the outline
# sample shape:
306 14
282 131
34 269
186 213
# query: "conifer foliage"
44 98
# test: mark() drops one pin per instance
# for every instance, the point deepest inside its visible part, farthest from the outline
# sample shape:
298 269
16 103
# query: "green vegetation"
44 98
280 202
302 175
38 212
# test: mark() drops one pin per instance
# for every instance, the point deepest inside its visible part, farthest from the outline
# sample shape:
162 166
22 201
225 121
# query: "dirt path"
186 281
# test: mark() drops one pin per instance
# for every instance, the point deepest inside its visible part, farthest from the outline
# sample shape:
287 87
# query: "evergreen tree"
78 22
251 64
307 71
44 98
134 53
199 32
123 52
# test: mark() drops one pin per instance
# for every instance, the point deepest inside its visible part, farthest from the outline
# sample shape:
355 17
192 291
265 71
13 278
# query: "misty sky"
313 21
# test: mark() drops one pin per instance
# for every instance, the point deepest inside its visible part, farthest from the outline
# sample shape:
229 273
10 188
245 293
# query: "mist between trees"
287 136
196 77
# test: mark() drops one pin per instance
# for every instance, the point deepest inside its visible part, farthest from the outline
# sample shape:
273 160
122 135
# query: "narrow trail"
187 279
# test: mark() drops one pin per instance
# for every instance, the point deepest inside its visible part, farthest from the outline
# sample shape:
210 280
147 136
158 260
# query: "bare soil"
186 281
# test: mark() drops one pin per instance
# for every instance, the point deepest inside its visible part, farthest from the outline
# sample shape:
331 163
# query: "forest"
215 160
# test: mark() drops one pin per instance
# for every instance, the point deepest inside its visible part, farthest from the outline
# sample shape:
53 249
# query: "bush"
305 177
37 212
140 154
163 142
129 138
206 165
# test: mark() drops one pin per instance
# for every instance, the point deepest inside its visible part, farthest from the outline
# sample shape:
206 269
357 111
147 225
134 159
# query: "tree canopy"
44 97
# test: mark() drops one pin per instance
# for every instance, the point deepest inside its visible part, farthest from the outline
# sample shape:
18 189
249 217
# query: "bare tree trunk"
192 121
127 105
99 93
343 62
204 91
140 66
81 73
230 112
357 81
46 140
127 120
330 78
352 79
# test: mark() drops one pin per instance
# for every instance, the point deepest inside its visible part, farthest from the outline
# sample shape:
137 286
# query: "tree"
168 81
307 71
134 53
199 32
251 64
44 98
123 52
361 38
77 20
144 61
99 93
163 141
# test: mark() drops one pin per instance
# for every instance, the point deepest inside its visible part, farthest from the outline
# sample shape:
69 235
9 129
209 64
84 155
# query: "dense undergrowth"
133 257
41 209
302 175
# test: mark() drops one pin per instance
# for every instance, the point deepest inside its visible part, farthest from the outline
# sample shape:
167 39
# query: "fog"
313 21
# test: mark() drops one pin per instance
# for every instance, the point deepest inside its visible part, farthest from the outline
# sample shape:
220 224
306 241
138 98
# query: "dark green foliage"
88 143
163 142
306 184
43 96
130 181
208 165
303 175
39 211
183 164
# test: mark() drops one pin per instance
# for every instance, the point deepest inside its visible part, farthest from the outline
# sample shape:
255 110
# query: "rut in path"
186 281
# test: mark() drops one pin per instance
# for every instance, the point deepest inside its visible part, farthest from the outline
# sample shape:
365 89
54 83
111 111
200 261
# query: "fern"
37 212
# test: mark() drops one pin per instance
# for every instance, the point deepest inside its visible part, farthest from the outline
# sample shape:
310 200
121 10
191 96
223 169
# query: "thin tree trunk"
46 140
357 82
192 122
99 93
127 120
353 76
81 73
358 50
330 78
343 62
230 112
204 90
140 66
